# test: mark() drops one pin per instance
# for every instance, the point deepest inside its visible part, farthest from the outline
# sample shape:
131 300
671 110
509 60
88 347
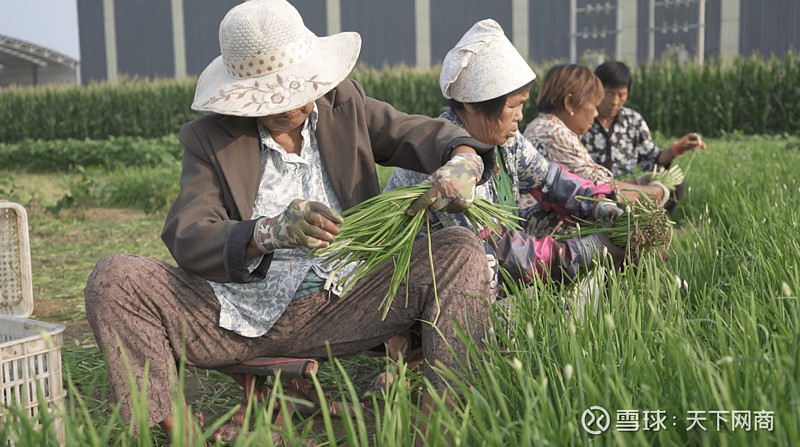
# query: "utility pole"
573 31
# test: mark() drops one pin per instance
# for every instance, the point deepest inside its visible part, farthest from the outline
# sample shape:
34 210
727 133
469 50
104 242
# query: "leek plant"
378 231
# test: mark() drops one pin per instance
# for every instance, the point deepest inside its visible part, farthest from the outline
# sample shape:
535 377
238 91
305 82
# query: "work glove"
665 190
606 211
643 179
597 246
452 186
646 180
301 224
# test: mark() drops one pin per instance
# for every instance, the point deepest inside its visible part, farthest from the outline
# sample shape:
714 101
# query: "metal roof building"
25 63
177 38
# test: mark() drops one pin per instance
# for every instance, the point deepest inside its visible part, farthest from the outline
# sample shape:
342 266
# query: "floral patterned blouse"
534 180
250 309
545 193
564 147
626 145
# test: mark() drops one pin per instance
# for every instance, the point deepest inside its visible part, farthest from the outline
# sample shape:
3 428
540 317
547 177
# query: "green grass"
713 328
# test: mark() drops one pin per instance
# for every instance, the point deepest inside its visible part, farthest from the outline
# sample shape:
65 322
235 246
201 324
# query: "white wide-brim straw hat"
271 63
483 65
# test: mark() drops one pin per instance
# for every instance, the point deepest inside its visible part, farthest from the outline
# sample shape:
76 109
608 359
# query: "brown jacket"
209 226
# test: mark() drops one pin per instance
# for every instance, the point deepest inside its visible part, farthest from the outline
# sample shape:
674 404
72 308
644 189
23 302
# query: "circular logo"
595 420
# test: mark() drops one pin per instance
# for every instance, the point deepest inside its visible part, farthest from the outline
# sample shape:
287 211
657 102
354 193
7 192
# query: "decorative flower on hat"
271 95
296 84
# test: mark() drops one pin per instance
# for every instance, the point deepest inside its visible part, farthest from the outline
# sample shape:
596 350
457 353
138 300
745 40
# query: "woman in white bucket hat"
486 82
287 145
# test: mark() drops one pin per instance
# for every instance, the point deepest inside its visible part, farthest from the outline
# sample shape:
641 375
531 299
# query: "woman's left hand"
452 185
607 211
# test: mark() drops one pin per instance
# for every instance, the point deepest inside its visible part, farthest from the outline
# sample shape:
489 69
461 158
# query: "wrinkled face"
614 99
495 130
287 121
581 118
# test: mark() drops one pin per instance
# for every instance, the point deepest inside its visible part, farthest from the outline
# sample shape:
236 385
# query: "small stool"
295 373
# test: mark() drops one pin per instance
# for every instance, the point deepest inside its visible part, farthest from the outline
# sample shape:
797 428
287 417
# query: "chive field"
699 348
708 336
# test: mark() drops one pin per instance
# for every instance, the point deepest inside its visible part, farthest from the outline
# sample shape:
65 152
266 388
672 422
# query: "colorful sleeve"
524 257
553 186
532 166
561 191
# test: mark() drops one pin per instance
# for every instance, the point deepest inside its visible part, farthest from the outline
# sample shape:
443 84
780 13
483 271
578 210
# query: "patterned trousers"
147 312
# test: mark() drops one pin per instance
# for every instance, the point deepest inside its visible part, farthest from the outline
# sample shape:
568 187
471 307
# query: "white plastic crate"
30 367
30 350
16 287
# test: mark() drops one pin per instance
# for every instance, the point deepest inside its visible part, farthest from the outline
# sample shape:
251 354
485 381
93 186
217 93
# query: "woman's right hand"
302 224
688 142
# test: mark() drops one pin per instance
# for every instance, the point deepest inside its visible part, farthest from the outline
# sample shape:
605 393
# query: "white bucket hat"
271 63
483 65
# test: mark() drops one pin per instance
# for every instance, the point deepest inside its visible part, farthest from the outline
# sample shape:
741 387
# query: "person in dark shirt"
620 138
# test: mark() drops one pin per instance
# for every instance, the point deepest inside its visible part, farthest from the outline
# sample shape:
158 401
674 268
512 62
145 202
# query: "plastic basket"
16 287
30 350
30 367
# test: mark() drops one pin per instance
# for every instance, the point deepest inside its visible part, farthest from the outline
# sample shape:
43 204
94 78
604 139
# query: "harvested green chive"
378 231
645 227
670 178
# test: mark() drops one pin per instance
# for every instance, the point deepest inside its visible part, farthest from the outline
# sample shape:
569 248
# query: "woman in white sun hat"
486 82
287 145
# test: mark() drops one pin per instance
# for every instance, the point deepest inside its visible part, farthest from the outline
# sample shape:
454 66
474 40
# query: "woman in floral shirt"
491 112
620 139
567 106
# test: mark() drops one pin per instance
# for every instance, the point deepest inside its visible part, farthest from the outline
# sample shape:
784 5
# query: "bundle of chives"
670 178
378 231
645 227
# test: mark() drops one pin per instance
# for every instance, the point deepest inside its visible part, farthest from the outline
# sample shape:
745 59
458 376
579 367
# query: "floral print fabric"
565 148
250 309
626 145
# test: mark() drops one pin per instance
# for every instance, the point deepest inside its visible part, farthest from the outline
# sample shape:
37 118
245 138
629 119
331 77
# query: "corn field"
751 95
132 107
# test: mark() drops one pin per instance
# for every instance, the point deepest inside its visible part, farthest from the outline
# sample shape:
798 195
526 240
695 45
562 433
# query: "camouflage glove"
607 211
452 185
302 224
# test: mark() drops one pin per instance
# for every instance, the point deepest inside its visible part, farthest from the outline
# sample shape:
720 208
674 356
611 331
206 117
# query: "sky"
52 24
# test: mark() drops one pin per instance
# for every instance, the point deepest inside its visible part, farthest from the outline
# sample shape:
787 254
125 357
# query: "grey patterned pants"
157 313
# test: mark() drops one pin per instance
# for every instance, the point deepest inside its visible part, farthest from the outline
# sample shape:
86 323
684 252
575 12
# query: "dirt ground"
48 304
